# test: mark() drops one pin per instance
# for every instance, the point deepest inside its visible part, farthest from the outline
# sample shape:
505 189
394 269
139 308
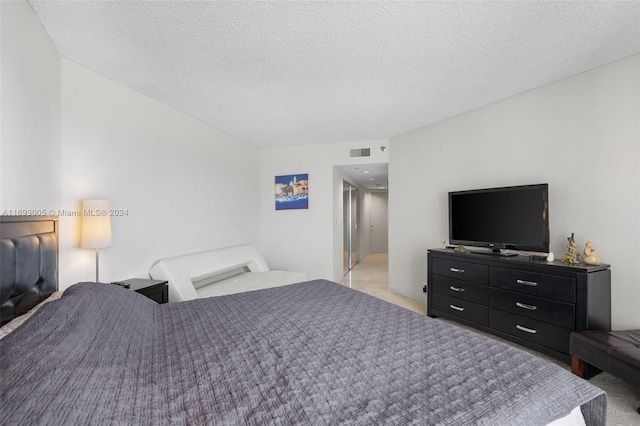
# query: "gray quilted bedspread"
314 353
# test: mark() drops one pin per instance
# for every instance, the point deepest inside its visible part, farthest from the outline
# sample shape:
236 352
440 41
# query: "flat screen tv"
510 218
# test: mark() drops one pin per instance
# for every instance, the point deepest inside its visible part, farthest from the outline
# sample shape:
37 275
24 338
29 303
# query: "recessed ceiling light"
372 178
365 171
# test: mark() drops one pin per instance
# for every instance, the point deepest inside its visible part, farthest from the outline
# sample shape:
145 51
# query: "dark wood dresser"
531 302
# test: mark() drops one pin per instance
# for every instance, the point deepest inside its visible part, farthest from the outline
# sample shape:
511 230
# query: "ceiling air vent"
360 152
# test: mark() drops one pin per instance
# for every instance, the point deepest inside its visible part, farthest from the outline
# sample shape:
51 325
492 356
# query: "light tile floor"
371 276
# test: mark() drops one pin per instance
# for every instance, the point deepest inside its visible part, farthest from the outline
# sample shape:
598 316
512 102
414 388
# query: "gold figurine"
572 257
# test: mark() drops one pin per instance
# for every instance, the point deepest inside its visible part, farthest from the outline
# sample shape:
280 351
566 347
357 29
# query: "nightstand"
157 290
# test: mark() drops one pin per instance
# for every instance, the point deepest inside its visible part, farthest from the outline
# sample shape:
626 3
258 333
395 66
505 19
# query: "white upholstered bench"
218 272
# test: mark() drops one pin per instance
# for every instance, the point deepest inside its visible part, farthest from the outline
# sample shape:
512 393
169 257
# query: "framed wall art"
292 192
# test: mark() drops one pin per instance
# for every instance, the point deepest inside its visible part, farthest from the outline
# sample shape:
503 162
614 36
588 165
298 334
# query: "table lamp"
96 227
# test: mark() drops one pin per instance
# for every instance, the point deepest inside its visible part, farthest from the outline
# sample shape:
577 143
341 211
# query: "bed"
307 353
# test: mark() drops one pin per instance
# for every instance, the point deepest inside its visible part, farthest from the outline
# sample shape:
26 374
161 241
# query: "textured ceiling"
288 73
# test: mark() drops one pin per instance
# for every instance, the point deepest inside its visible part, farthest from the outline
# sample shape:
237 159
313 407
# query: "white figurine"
589 256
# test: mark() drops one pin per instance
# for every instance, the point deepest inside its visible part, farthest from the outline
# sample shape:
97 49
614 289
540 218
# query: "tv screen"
515 217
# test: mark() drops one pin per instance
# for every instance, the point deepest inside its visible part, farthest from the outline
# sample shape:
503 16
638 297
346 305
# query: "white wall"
185 185
29 112
68 133
581 135
309 240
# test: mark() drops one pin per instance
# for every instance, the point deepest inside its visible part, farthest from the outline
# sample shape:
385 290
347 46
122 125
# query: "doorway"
353 185
379 222
351 240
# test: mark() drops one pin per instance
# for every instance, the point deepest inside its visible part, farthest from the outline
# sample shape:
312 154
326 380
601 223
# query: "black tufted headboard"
28 263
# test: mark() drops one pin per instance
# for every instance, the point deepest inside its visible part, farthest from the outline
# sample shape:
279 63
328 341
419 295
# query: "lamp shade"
96 224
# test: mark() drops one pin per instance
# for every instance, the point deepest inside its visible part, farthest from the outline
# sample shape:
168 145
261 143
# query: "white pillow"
17 321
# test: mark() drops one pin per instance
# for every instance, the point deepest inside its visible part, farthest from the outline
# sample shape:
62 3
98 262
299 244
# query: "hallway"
371 276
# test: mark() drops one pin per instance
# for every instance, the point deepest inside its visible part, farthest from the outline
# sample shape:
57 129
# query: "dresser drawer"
465 271
461 289
558 313
542 285
461 308
539 332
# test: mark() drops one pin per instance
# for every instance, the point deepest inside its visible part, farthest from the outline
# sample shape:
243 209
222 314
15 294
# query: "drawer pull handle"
529 283
528 330
457 308
458 289
460 271
525 306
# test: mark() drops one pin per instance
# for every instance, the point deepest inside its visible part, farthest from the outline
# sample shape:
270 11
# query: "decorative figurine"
460 249
590 257
572 257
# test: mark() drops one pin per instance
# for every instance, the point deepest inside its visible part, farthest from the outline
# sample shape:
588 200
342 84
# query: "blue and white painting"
292 192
